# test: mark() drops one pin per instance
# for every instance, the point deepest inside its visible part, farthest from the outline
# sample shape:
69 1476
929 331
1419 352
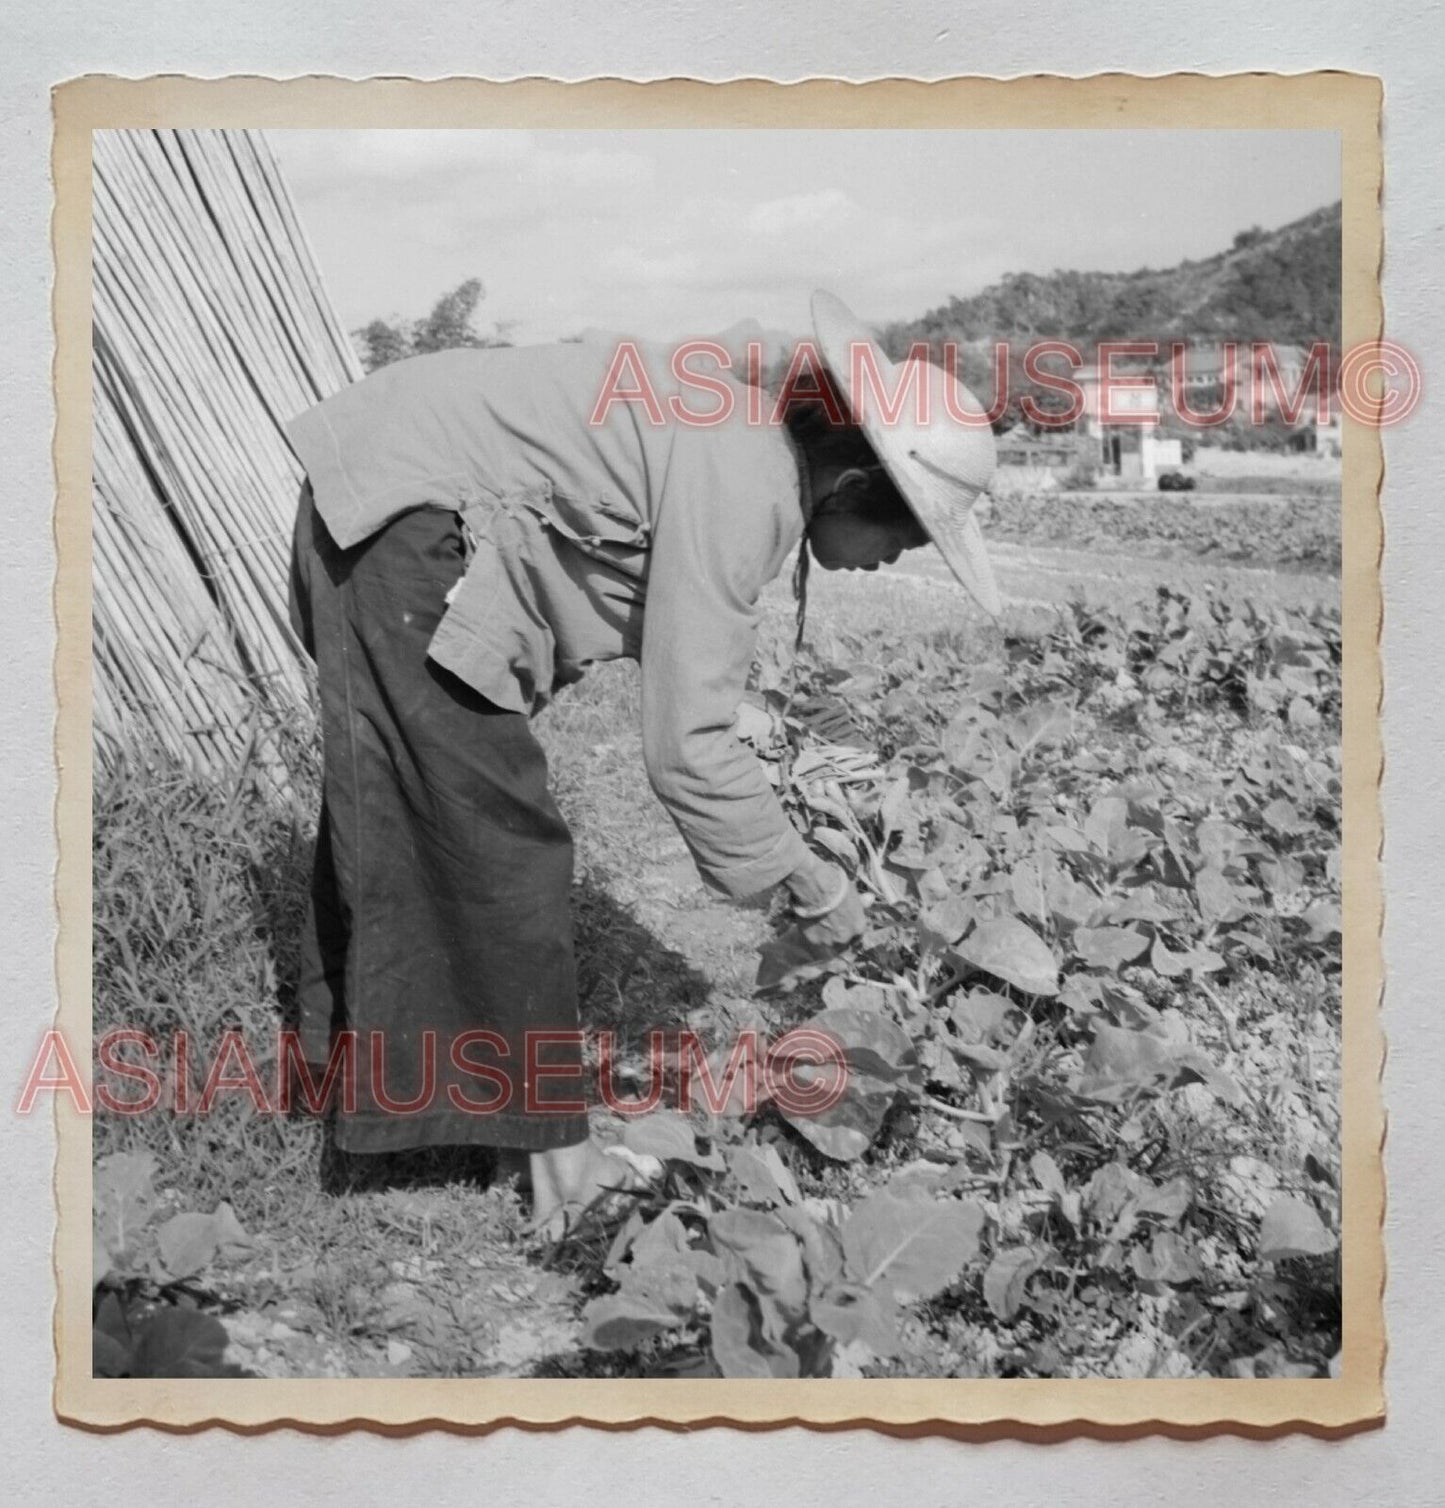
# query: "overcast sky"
674 233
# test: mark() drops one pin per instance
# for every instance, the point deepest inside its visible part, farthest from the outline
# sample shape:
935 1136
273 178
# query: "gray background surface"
43 43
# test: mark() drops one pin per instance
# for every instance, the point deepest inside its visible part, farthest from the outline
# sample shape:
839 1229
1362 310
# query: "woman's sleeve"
727 519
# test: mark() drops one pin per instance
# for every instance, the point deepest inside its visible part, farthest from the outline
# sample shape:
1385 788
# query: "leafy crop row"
1292 531
1043 1137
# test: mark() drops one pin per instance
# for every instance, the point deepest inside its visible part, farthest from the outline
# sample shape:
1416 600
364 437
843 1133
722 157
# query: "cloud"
461 177
636 267
669 233
825 210
321 162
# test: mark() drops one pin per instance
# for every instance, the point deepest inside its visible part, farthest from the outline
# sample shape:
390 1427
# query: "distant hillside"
1281 285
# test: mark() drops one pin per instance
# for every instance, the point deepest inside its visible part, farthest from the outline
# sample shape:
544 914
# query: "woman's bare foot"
568 1180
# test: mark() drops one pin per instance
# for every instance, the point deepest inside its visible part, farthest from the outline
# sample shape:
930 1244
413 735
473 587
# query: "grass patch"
199 889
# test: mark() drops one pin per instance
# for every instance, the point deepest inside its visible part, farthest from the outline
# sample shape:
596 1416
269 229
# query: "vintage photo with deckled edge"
1353 1396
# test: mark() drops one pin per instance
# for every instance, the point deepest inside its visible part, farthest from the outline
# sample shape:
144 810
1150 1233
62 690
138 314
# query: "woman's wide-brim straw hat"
940 462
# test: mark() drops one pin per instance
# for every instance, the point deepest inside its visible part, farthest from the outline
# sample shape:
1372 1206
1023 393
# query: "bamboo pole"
212 328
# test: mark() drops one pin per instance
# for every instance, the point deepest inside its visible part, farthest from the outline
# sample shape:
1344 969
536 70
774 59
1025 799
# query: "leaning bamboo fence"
210 329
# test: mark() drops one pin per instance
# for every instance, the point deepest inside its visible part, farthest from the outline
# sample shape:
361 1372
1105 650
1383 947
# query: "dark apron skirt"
437 949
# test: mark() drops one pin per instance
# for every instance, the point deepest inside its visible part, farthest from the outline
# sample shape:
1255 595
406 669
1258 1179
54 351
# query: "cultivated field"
1091 1126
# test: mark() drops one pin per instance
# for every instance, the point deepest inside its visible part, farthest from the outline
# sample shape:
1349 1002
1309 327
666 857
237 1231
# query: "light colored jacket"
622 539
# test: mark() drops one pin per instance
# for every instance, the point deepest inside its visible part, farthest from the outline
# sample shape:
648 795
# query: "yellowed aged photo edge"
1348 103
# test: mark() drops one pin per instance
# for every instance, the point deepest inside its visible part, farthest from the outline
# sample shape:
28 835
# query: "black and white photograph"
716 753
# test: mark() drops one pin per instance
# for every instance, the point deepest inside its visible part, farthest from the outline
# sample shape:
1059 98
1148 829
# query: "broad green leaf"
820 1240
1169 1201
893 810
1168 1260
1028 884
668 1136
1107 824
180 1343
124 1199
1324 921
1219 841
754 1177
872 1044
110 1339
1109 947
850 1315
1071 901
910 1243
643 1309
1046 1174
1282 874
1292 1228
1251 943
1007 949
880 1059
839 844
1141 905
1283 816
766 1252
980 1016
944 923
1112 1190
188 1242
738 1345
1303 713
1216 896
846 1130
101 1265
1192 960
990 1059
1082 993
1069 839
108 1358
658 1242
1045 725
1121 1063
1007 1277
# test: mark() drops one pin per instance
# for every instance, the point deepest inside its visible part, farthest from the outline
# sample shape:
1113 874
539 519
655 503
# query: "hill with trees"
1281 285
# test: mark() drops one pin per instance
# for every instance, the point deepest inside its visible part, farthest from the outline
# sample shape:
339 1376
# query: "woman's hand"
827 905
835 929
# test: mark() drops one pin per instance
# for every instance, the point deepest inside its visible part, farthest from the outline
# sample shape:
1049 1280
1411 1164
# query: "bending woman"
477 528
